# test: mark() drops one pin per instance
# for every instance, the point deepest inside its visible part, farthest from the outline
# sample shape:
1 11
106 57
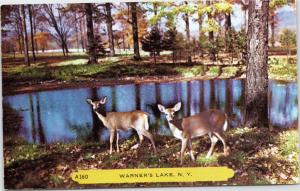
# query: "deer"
116 121
212 122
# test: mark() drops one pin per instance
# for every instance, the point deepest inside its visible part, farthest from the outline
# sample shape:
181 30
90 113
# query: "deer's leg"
118 150
111 140
220 136
183 147
191 149
141 138
150 137
213 140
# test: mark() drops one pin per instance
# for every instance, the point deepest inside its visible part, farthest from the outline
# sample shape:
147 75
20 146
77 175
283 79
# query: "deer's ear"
103 100
177 106
161 108
89 101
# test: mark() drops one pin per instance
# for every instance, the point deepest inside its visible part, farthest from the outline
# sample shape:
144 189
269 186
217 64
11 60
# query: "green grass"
213 71
230 71
239 157
203 161
289 143
64 72
190 72
26 152
280 69
75 68
56 179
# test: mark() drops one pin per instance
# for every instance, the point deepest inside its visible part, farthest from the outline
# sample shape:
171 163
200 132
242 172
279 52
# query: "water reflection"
64 115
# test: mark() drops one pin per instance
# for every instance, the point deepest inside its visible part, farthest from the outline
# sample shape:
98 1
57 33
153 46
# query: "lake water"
64 115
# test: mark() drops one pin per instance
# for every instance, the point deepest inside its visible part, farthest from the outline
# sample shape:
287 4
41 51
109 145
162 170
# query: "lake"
64 115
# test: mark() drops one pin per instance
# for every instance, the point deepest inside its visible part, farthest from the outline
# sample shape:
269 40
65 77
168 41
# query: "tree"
135 33
288 40
42 38
226 9
109 25
11 21
91 47
153 42
26 53
239 44
31 32
187 30
256 113
124 20
274 4
169 42
60 21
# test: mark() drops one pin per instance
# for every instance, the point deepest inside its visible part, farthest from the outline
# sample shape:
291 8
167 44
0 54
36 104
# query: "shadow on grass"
108 70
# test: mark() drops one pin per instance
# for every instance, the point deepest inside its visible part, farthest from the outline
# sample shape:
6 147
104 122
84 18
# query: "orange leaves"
42 39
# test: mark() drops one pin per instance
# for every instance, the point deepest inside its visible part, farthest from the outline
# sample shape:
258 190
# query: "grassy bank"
74 68
258 156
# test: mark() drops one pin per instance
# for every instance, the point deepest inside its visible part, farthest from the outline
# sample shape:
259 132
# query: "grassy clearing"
75 68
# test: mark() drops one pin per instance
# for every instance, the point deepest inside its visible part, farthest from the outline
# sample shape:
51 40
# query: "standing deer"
115 121
212 122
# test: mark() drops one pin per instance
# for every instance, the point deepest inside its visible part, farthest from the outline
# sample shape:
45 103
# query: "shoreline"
8 90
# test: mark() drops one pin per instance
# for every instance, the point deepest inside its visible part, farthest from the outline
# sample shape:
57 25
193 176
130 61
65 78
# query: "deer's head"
96 104
169 111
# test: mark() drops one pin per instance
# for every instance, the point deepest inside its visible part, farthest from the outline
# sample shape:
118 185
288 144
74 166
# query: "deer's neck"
175 131
102 118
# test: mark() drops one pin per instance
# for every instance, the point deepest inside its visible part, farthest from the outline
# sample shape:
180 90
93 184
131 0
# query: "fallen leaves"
257 156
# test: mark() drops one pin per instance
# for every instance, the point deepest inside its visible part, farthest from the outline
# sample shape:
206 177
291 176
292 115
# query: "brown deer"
116 121
212 122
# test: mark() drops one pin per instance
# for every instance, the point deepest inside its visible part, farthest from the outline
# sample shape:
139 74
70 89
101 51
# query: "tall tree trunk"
272 23
34 32
109 29
135 32
62 36
256 113
188 36
31 32
82 40
200 21
228 31
26 54
19 29
91 48
76 31
64 45
246 20
20 37
212 55
97 124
